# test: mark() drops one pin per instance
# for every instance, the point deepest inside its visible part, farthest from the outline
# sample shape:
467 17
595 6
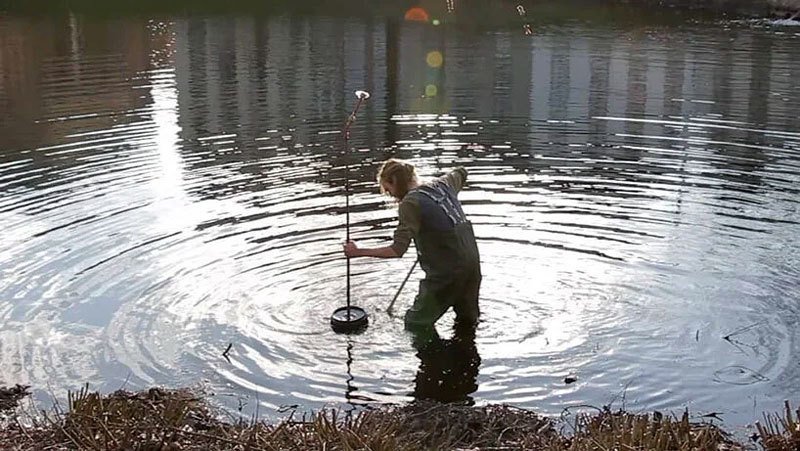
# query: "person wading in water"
431 214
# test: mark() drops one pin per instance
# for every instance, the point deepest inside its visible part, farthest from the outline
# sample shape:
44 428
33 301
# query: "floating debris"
738 375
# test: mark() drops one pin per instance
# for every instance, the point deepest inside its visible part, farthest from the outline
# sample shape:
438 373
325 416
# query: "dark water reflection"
449 367
175 184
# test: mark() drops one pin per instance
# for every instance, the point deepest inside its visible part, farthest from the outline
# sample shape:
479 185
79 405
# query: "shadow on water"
448 368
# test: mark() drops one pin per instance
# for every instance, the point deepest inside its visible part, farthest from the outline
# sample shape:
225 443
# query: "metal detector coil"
349 319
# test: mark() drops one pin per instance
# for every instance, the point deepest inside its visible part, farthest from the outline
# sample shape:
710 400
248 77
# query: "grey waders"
448 253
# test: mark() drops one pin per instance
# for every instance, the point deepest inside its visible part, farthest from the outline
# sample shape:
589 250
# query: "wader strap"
445 200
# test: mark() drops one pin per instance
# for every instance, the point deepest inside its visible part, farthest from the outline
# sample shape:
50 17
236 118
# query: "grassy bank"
171 420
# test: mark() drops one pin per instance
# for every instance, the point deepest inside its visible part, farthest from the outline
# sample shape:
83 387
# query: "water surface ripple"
173 186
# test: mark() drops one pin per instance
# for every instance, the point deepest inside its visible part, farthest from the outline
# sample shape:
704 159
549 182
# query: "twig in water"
736 344
227 350
742 329
391 304
126 381
620 395
715 415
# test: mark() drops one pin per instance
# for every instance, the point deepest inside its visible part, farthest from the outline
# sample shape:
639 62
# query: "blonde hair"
399 174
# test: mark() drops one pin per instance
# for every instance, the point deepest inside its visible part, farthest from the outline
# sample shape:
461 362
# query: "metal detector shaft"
391 304
348 123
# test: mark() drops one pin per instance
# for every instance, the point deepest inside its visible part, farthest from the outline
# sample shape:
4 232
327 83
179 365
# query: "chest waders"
448 254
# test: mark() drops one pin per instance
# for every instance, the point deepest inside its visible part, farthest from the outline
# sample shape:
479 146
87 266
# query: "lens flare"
434 59
417 14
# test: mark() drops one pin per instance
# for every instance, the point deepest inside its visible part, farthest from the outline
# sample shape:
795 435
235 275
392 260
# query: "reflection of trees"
654 81
757 105
738 166
303 84
599 62
392 70
299 76
638 70
62 75
274 83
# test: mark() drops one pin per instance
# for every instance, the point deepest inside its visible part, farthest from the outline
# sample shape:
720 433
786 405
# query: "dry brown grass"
624 431
781 433
172 420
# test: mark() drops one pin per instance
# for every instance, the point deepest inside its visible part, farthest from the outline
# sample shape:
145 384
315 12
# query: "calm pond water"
175 183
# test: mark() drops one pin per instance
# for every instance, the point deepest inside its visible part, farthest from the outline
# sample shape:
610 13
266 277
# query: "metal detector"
350 318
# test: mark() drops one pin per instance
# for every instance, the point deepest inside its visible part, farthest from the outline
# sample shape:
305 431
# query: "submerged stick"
742 329
226 351
391 304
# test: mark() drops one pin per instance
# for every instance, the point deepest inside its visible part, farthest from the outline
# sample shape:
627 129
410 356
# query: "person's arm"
410 220
456 178
352 250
